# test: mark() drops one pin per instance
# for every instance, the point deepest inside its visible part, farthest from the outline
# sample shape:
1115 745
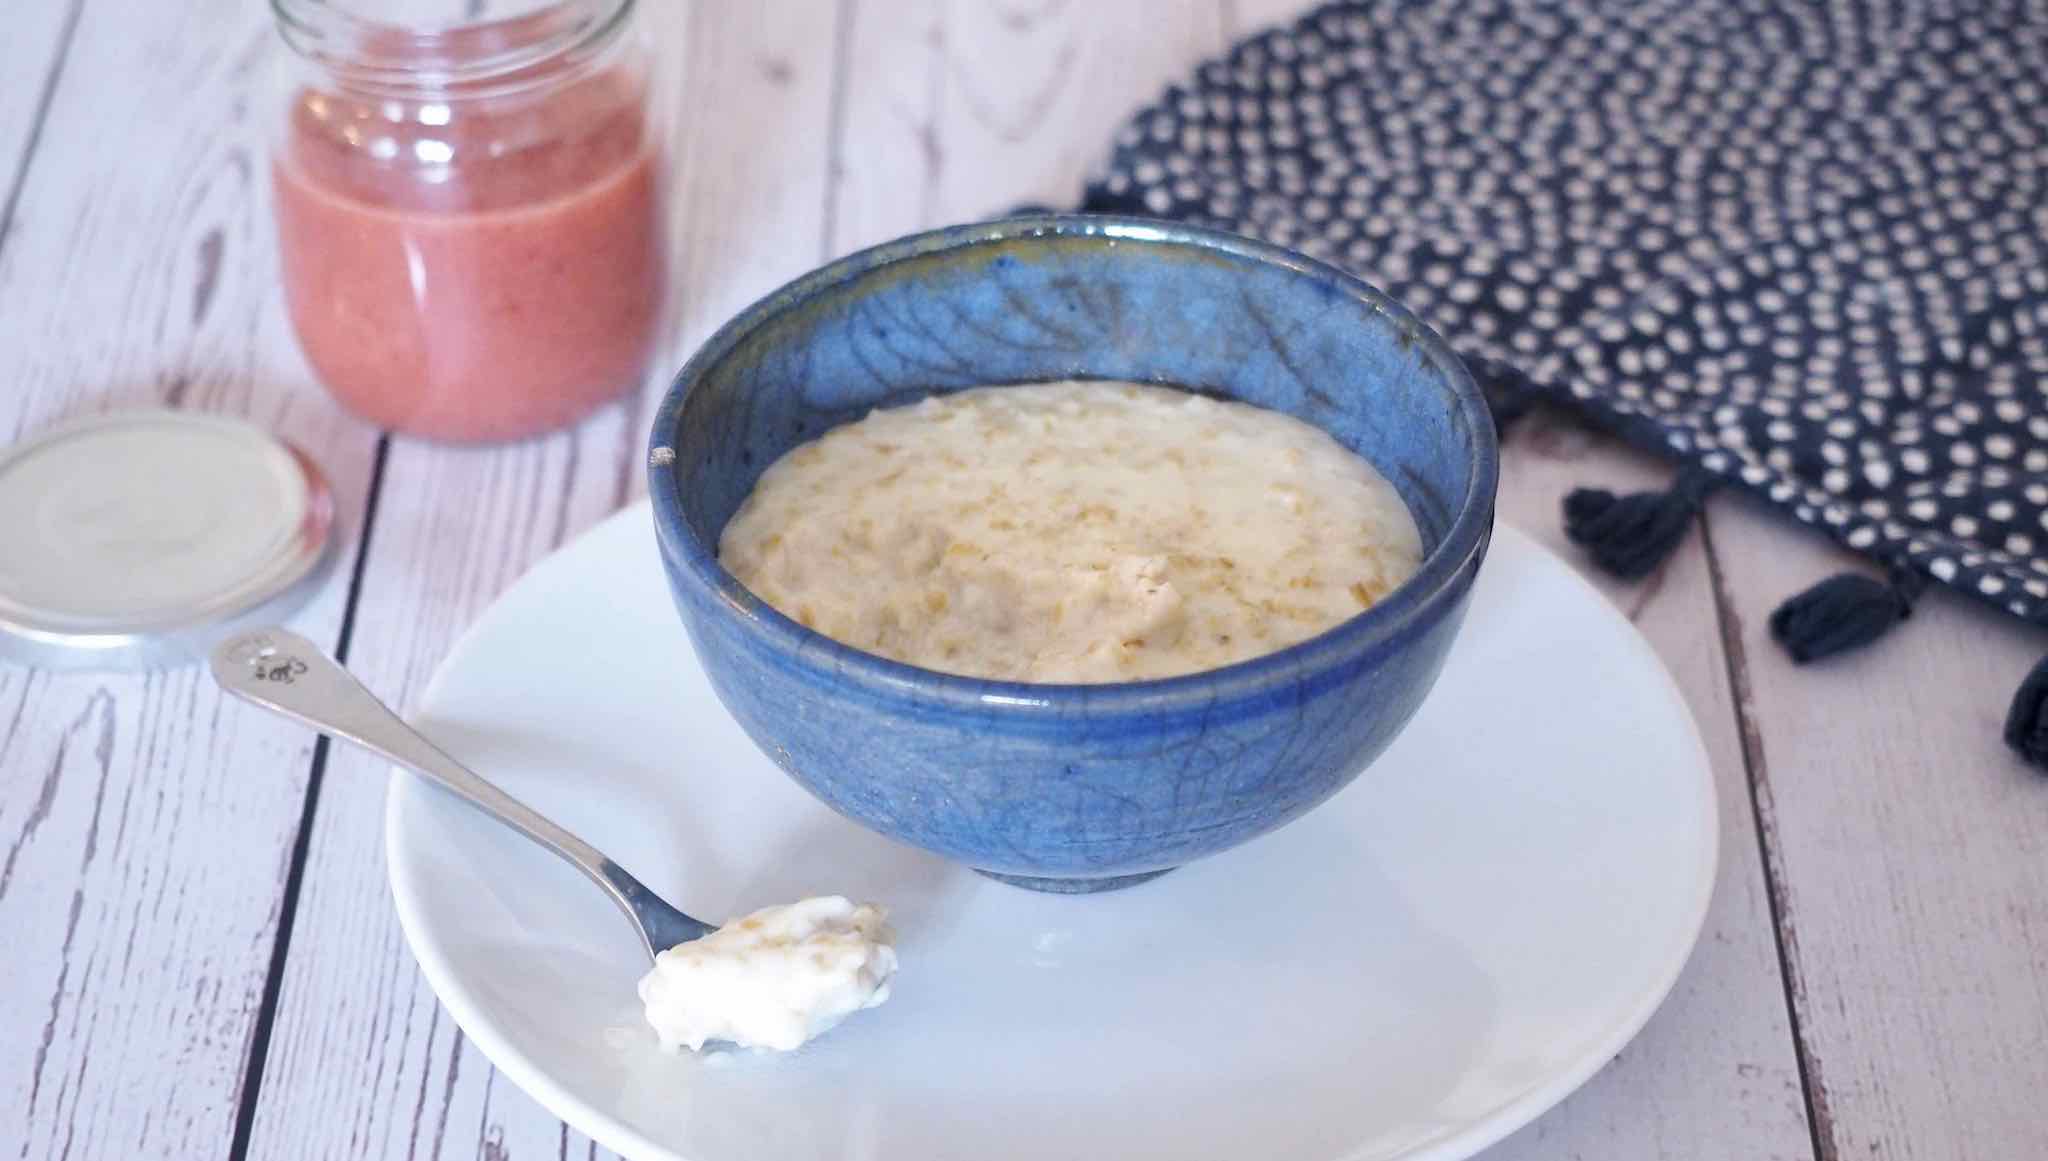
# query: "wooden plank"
1242 18
146 828
1908 845
1714 1073
959 111
31 63
364 1062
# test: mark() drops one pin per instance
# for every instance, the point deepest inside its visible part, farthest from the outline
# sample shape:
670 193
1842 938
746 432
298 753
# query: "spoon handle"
287 674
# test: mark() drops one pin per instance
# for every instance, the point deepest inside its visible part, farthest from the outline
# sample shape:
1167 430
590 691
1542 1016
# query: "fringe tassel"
1630 535
1098 200
1844 612
2026 723
1509 393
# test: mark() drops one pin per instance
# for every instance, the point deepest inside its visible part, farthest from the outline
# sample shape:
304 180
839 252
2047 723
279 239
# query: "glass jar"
469 213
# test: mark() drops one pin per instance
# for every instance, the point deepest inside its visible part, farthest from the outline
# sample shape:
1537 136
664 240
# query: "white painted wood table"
197 956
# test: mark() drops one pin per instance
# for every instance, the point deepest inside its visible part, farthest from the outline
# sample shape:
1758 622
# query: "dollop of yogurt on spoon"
773 979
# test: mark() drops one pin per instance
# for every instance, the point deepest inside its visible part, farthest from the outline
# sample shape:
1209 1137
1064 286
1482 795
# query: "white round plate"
1414 969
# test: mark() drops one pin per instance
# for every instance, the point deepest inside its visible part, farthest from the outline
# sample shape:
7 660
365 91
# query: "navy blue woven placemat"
1801 248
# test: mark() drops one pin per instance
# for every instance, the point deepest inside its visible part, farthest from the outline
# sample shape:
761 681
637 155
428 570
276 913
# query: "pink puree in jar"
487 278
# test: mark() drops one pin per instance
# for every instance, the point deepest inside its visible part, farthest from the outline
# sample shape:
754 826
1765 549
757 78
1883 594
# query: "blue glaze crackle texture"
1074 787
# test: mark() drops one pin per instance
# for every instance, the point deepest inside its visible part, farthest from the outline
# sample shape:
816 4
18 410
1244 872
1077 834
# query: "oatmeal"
773 979
1072 532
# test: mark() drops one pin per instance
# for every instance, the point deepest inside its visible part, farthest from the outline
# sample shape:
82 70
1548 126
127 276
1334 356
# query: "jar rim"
487 56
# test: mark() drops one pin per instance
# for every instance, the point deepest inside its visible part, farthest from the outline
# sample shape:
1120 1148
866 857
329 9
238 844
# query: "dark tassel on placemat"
1629 535
1844 612
2026 723
1099 200
1508 392
1096 199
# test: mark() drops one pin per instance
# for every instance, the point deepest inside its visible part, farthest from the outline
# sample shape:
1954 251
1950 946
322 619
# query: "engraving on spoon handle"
287 674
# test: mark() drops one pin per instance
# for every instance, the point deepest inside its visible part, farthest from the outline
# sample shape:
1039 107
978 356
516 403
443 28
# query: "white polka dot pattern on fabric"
1804 245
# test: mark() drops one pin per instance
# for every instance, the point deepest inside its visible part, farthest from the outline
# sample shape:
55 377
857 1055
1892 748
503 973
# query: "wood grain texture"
364 1061
955 111
1909 846
1243 18
145 828
31 63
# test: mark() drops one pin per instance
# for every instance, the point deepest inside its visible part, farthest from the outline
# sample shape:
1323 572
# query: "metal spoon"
288 675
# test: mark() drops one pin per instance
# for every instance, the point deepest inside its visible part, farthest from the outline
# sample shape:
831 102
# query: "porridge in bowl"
1079 532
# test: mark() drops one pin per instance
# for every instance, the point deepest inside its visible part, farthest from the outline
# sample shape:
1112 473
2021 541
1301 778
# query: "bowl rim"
1390 618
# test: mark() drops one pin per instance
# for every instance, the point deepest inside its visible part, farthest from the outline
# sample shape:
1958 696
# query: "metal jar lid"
138 539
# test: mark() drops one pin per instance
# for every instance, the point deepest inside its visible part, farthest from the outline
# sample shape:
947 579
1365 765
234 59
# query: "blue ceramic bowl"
1074 787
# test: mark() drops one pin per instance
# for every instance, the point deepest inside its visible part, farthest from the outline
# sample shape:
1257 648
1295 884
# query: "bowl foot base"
1072 886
